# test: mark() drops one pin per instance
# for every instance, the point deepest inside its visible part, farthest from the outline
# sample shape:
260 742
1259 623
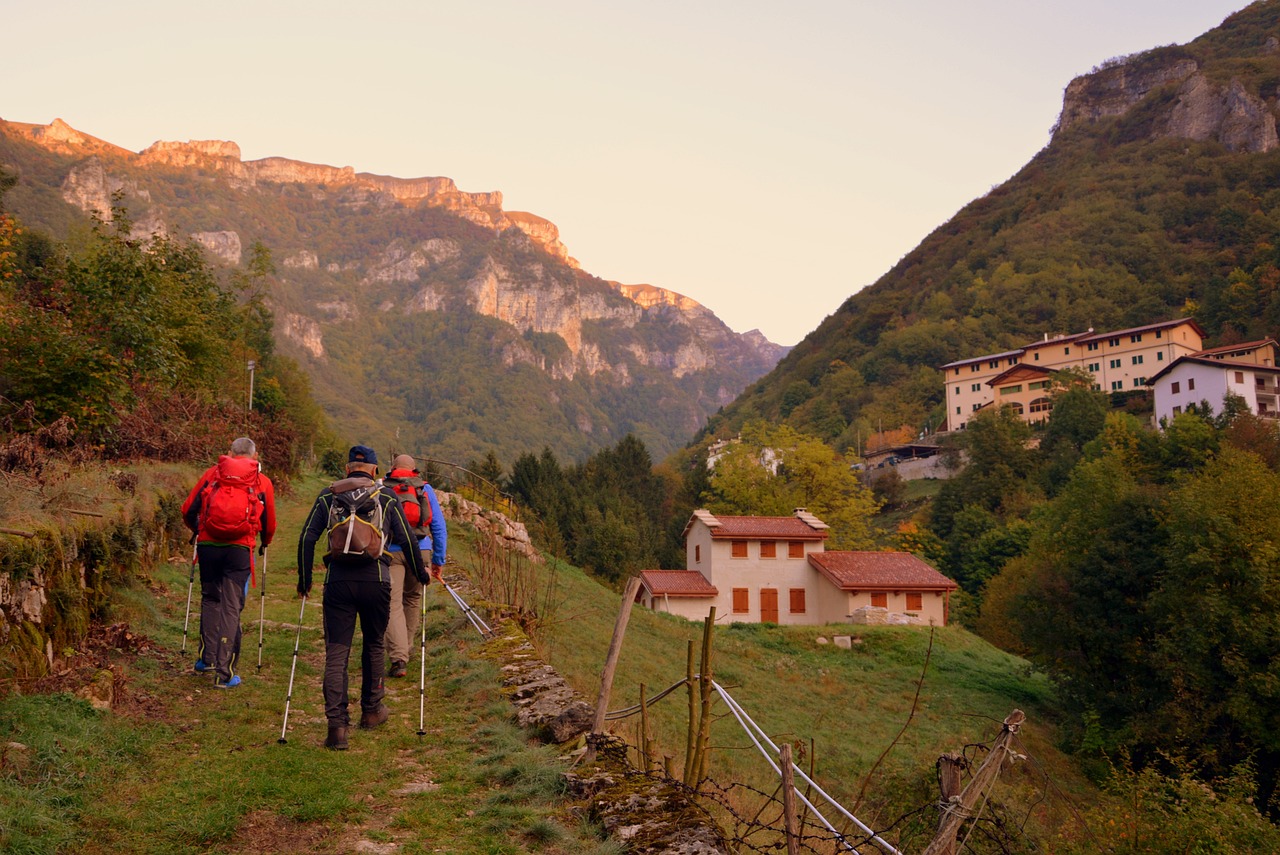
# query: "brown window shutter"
741 601
797 601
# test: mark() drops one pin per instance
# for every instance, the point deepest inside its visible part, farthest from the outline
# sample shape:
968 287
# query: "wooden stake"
789 800
646 759
956 811
949 768
704 719
689 761
611 661
19 532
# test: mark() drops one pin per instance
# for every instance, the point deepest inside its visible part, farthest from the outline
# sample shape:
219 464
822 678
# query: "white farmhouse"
1248 370
777 570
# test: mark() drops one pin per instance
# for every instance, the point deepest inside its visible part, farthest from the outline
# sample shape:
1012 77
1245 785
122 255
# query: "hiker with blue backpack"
231 509
422 511
358 518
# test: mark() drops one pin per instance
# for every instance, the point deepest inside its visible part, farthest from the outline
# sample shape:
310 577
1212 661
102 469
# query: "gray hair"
243 447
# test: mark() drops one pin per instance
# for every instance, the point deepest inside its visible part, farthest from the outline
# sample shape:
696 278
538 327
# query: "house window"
1066 351
1095 366
1239 376
795 549
1139 382
697 553
1159 356
976 387
1037 356
957 372
957 411
957 390
1115 363
768 549
880 601
975 368
1135 338
1177 410
915 602
1043 384
1016 406
995 363
1093 345
1137 360
1041 405
797 601
977 407
1117 385
1175 387
1113 342
1159 333
1010 390
741 601
1191 384
739 549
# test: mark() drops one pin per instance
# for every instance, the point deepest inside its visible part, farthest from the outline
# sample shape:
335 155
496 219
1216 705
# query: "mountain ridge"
356 250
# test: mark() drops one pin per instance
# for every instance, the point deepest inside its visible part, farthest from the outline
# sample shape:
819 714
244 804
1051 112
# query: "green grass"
206 774
849 705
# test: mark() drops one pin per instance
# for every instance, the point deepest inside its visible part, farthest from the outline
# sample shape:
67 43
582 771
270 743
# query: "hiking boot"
201 666
230 684
337 738
370 720
398 669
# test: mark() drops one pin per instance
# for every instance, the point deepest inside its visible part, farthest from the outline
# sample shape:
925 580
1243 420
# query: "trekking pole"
191 583
422 670
262 605
292 670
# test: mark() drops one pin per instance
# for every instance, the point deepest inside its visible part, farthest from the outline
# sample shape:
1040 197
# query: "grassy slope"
204 772
850 703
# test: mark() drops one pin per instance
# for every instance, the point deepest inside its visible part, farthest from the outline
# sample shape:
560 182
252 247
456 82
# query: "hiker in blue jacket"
422 510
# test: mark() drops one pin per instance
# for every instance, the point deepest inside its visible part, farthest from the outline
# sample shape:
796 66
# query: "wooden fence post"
611 663
949 768
789 800
705 679
956 811
689 761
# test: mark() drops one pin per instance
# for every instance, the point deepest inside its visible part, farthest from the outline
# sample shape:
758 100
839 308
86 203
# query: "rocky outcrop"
1114 90
1200 109
221 245
511 535
305 332
1229 115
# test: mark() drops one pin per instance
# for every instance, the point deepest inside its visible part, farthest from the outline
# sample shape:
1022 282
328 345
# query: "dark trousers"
344 602
224 579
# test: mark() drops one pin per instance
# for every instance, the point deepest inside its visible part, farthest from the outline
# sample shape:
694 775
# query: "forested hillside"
1158 197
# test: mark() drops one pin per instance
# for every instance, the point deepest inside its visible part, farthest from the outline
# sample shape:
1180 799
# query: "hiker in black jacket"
358 517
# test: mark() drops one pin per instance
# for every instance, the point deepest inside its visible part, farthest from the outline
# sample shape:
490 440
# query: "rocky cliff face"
354 250
1199 108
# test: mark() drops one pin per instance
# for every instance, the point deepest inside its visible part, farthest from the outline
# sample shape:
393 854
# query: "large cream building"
1120 361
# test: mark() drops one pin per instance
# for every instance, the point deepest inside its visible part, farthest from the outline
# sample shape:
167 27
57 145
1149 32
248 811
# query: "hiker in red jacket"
232 505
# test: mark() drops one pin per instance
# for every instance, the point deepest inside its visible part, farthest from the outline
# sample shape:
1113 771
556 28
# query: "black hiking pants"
344 603
224 579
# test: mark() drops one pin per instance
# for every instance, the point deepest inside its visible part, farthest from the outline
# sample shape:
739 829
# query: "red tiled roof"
782 528
677 583
1231 348
893 571
1163 325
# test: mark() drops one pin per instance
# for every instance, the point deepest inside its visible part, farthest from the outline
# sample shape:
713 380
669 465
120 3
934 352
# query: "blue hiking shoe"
201 666
230 684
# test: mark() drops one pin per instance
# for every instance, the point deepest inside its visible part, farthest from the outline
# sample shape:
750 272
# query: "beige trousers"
406 609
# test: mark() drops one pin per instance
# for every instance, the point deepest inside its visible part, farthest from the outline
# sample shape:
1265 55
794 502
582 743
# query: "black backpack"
357 523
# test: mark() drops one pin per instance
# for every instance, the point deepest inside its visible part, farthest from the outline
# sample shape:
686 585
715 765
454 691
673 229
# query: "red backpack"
408 489
230 504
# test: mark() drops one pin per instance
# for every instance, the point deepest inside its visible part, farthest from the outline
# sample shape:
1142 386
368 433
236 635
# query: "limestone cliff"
1197 108
358 253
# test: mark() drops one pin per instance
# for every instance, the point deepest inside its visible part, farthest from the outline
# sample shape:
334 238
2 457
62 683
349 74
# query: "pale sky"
765 159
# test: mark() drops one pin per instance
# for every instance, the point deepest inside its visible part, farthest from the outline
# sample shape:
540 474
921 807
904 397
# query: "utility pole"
252 365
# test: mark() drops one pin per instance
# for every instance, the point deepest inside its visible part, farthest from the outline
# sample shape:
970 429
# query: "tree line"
1139 568
142 348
